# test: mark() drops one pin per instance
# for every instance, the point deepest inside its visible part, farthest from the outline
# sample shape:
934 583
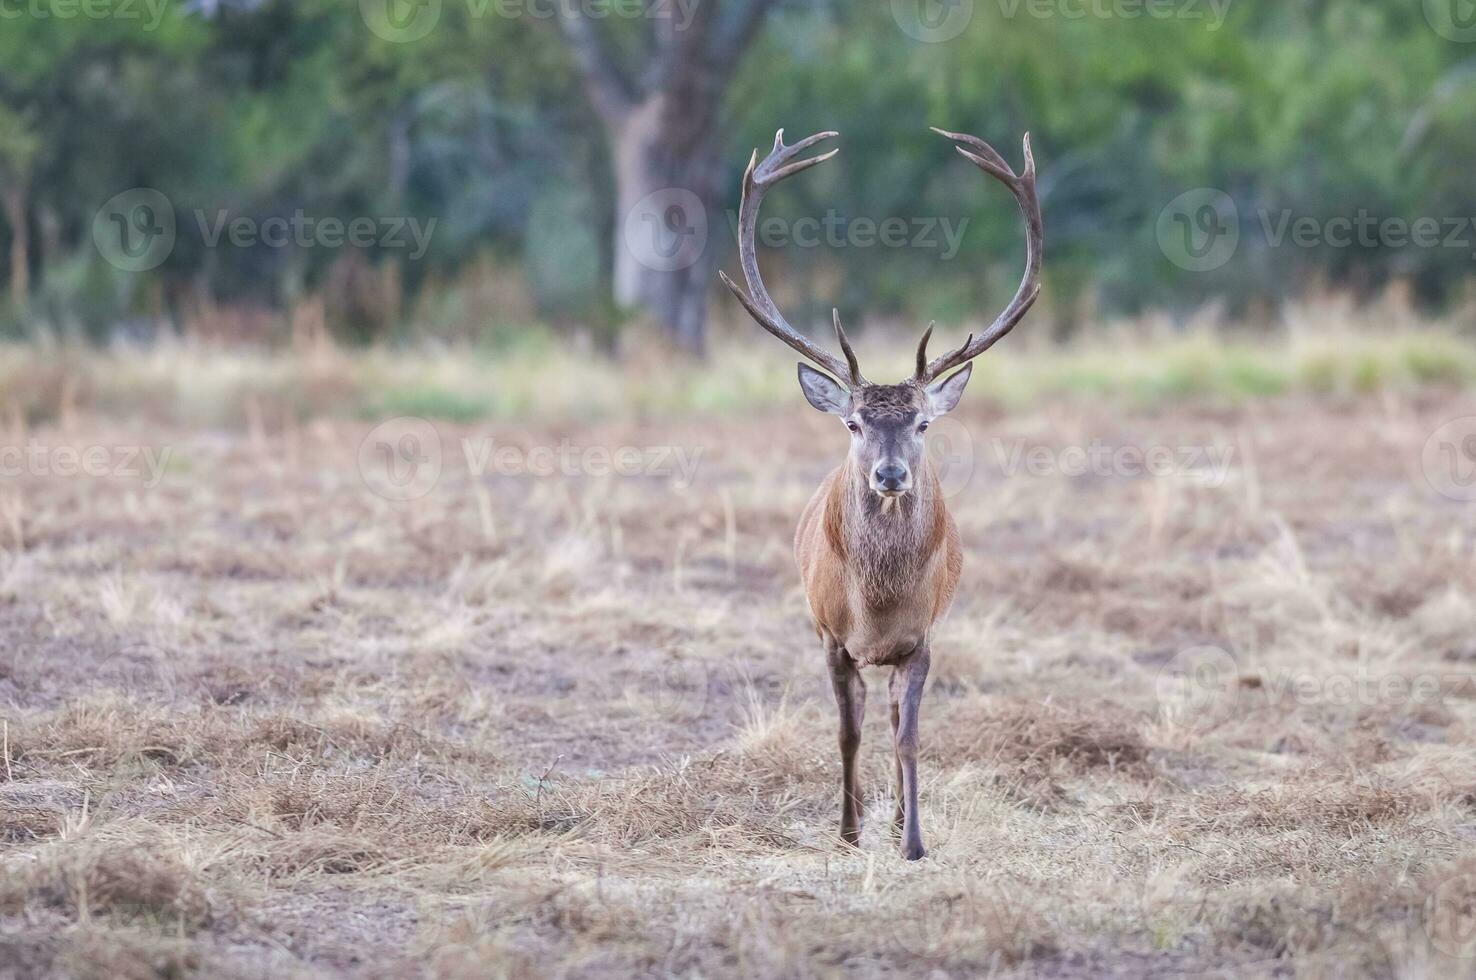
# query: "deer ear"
944 395
823 391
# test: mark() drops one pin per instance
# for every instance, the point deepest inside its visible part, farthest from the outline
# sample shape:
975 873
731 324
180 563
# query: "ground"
263 718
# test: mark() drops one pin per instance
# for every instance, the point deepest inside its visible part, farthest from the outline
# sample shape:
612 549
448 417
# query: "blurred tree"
89 91
660 96
262 109
19 148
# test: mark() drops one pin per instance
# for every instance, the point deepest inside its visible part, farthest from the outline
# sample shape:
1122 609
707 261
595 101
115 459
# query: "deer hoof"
914 851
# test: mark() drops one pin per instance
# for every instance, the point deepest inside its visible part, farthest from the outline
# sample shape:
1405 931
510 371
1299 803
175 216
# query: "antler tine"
1022 186
845 345
787 152
757 179
922 353
985 157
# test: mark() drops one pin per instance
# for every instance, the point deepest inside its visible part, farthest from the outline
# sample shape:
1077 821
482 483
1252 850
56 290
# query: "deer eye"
922 426
852 426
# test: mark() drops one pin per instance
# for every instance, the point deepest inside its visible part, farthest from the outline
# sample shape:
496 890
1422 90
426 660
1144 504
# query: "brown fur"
878 574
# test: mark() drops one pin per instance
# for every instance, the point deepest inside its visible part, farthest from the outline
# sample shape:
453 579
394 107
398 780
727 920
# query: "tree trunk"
50 225
669 222
20 246
662 124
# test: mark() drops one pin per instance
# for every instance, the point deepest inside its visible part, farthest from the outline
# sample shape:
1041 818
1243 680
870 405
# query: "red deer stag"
876 547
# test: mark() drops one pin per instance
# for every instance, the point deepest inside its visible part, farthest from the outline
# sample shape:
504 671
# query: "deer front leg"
897 811
850 700
906 689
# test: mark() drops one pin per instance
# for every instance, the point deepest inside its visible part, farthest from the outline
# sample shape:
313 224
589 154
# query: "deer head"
886 422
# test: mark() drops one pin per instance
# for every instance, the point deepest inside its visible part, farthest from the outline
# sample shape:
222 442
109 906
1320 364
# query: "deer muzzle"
891 479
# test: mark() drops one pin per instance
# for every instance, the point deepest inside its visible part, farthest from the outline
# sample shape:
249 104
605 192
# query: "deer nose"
890 476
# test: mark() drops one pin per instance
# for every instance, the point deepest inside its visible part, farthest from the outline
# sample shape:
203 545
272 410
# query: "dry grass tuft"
1037 749
126 883
118 955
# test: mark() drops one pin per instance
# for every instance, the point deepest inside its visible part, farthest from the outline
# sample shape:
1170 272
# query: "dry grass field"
260 718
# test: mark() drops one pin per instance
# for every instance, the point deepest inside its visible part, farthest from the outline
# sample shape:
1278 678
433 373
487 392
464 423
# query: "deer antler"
983 156
760 176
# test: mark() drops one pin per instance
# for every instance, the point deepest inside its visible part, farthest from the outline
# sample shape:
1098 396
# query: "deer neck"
887 542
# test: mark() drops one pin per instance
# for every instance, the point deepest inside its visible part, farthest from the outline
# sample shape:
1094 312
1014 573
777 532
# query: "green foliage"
19 146
429 402
1318 109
